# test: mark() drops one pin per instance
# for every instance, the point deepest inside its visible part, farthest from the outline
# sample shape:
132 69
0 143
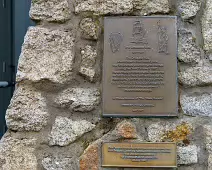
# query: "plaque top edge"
158 16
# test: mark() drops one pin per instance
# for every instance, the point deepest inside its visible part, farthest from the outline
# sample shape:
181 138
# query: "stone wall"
54 118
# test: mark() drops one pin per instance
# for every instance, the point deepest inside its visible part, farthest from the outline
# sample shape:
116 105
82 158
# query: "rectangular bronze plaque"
139 155
140 66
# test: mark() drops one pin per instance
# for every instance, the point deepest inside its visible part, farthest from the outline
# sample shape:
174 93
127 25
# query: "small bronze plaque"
140 66
139 155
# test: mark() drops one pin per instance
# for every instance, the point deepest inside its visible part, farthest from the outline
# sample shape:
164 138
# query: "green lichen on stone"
194 39
35 1
85 144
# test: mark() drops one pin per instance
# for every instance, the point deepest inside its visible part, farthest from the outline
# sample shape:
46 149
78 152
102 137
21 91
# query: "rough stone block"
59 163
188 51
90 28
47 57
206 26
210 161
188 9
16 154
27 110
197 104
66 131
208 138
87 67
187 155
127 130
146 7
104 7
51 10
196 76
155 132
79 99
90 158
122 6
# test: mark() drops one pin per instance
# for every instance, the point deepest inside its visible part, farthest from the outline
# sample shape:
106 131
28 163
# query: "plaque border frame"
109 166
158 115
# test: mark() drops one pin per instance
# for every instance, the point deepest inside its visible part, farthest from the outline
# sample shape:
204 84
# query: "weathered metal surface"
139 155
140 66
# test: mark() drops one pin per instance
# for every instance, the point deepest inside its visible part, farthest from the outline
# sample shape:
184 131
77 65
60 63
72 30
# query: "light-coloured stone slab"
206 26
87 67
79 99
51 10
196 76
188 9
187 155
197 105
89 28
188 51
47 57
146 7
104 7
66 131
59 163
122 6
155 132
27 110
16 154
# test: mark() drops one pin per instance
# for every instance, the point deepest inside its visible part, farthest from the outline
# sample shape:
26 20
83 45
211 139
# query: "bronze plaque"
139 155
140 66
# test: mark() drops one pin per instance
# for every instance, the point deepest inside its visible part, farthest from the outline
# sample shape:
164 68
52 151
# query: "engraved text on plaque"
140 66
139 155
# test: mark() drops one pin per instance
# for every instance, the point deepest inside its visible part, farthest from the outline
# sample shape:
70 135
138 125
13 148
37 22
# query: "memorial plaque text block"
140 66
139 155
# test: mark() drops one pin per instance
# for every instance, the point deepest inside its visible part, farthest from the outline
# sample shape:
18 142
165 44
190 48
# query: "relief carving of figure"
162 39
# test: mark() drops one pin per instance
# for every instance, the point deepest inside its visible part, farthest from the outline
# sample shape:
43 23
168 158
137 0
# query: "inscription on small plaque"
140 66
139 155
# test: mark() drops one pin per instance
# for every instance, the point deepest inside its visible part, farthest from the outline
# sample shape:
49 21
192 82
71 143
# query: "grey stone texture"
104 7
146 7
90 28
155 132
188 9
17 154
197 105
122 6
208 137
208 143
210 161
59 163
27 110
47 56
206 26
187 155
196 76
188 51
87 67
54 118
65 131
79 99
51 10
